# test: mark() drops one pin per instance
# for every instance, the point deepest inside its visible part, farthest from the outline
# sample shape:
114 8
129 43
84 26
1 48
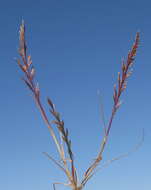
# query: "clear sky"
77 48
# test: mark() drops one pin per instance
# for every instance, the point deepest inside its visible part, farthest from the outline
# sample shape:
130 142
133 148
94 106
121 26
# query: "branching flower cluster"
63 145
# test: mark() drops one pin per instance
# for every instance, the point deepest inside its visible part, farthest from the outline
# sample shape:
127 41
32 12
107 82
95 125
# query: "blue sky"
76 48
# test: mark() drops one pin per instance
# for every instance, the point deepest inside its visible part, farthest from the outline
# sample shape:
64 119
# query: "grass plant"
63 144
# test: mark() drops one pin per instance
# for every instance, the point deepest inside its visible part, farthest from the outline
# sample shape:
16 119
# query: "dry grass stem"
63 145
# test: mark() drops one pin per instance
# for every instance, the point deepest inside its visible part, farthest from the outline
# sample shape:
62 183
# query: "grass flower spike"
62 141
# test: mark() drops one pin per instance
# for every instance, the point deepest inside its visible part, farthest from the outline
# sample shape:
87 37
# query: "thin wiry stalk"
64 135
29 71
102 113
67 164
108 162
122 83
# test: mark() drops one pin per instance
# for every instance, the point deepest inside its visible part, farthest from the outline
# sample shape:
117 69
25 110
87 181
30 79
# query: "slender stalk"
122 83
67 164
29 71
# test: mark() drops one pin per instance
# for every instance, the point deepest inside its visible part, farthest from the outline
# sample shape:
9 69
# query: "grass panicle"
63 145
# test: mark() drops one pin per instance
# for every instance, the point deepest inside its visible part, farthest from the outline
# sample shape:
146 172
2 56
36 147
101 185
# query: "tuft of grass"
63 145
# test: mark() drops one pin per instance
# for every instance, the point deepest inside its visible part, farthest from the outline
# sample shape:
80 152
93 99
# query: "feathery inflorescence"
67 163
